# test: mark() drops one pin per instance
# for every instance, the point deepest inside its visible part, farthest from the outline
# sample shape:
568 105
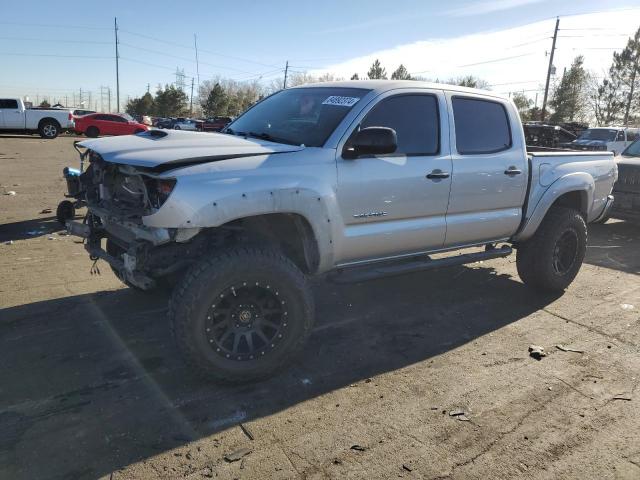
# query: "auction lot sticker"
341 101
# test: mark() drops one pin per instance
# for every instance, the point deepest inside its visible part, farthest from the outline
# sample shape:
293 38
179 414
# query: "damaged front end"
118 197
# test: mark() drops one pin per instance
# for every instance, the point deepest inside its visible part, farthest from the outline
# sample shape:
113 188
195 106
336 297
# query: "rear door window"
482 126
415 119
8 103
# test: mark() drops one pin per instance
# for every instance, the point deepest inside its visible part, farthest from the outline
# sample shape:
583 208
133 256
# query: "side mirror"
371 141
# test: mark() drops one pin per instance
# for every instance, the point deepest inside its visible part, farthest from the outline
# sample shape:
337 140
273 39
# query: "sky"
53 50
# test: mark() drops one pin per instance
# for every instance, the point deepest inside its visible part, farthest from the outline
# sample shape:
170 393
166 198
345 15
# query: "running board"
386 269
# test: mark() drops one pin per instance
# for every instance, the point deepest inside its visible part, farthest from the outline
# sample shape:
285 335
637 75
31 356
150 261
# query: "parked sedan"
96 124
189 124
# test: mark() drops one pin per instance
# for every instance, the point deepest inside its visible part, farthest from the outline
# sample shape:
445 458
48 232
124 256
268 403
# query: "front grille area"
628 179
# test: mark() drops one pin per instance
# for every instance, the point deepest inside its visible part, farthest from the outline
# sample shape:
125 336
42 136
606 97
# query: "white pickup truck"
348 180
48 122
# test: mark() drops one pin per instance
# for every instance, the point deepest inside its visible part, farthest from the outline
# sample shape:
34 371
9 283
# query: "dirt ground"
91 385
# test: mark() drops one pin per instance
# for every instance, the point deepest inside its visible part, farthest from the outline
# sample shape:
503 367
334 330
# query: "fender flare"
573 182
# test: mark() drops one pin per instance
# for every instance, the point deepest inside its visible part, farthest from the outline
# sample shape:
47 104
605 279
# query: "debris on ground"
10 242
10 192
357 447
246 431
627 306
537 352
207 472
237 455
45 210
622 396
459 414
407 467
568 349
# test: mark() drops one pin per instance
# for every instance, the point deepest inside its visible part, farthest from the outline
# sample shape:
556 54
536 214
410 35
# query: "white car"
48 122
188 124
608 139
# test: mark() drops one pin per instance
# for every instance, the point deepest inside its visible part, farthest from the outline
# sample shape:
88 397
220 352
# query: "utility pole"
195 43
115 25
546 87
80 101
148 87
286 72
191 103
109 98
66 100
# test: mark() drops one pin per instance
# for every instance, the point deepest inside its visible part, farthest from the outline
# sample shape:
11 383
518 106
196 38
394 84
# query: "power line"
48 40
233 57
19 24
497 60
13 54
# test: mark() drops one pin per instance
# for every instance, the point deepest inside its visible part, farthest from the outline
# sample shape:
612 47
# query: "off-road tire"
536 258
65 211
49 129
195 297
92 132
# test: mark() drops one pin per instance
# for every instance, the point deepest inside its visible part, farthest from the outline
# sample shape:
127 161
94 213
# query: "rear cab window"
481 126
8 103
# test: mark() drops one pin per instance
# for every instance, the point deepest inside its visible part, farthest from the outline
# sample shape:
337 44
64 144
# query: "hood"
166 149
590 143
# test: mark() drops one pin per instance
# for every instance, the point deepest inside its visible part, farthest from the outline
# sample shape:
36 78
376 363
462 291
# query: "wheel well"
291 232
48 119
576 200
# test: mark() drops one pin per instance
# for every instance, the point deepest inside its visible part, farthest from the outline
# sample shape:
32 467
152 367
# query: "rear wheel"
241 314
551 259
49 129
92 132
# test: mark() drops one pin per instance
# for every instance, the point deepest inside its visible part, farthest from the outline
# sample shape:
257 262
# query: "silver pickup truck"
351 181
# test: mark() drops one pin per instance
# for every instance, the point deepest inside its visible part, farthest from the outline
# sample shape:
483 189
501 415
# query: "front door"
490 170
396 204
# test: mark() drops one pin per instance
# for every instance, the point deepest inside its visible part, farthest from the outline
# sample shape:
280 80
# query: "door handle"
512 171
437 174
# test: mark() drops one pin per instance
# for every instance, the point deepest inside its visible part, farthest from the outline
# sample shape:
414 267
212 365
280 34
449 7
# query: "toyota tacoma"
347 180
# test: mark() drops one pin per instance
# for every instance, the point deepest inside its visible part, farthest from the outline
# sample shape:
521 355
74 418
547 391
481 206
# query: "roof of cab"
380 86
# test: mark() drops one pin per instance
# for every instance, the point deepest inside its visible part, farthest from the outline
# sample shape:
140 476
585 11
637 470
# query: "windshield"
632 150
599 134
299 116
127 116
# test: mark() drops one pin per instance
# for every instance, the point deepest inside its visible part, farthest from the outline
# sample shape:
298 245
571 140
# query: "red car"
96 124
215 124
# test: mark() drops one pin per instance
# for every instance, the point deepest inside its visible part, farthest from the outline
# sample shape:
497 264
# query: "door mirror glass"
371 141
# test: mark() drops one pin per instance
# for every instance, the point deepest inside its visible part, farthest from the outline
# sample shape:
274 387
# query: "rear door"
11 117
490 170
388 204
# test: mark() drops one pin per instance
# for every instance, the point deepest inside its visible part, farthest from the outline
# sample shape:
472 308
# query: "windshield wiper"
270 138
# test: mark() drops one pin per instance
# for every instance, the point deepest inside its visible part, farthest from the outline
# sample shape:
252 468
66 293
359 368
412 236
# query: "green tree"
523 104
144 105
469 81
355 77
170 102
377 71
217 102
608 100
569 100
401 73
626 70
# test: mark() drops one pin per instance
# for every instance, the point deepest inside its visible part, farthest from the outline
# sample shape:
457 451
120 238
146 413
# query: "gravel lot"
91 385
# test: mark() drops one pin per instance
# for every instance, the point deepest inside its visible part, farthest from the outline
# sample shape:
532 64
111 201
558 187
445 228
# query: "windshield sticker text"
341 101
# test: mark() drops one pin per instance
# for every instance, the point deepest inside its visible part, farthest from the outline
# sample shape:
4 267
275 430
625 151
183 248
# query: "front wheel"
551 259
240 315
65 211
